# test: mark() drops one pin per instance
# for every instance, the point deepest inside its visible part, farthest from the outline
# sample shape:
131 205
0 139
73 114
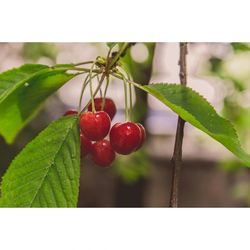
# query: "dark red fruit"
125 137
70 112
103 153
86 145
109 106
95 126
143 135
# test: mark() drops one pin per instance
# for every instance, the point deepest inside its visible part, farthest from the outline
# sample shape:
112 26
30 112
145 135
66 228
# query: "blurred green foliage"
240 47
132 167
34 51
233 108
217 69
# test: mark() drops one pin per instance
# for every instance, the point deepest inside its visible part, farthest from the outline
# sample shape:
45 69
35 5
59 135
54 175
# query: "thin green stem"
117 56
107 59
91 88
82 63
85 83
85 70
130 101
98 79
126 98
105 92
130 92
96 91
82 91
121 77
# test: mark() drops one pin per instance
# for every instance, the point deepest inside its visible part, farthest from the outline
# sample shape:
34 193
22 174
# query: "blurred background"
211 175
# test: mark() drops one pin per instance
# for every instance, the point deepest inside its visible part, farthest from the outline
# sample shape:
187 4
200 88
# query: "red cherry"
109 106
125 137
86 145
70 112
143 135
95 126
103 153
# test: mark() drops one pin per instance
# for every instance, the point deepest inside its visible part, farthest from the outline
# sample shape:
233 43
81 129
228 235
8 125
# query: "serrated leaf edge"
69 129
144 87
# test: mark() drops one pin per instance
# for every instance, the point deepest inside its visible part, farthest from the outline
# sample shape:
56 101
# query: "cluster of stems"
102 69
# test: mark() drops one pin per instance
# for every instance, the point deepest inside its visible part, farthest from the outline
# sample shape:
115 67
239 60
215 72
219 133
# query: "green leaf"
196 110
11 78
46 172
240 47
23 92
111 45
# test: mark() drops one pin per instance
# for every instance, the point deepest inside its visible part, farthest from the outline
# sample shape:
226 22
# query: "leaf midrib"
49 168
15 86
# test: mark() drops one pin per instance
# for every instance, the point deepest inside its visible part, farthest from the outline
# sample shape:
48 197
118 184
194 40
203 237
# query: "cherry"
95 126
86 145
70 112
103 153
143 135
109 106
125 137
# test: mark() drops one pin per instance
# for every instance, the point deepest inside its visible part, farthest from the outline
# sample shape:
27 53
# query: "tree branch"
177 154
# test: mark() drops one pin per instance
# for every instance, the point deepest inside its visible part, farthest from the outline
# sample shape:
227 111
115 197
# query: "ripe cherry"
143 136
95 126
103 153
86 145
125 137
109 106
70 112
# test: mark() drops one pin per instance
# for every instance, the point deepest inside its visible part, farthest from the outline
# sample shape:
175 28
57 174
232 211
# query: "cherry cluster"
124 138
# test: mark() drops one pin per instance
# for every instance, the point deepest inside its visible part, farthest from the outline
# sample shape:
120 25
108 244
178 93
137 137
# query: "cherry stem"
96 91
121 77
126 98
130 101
105 73
105 92
84 69
130 93
82 63
85 83
107 59
98 79
91 88
124 47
